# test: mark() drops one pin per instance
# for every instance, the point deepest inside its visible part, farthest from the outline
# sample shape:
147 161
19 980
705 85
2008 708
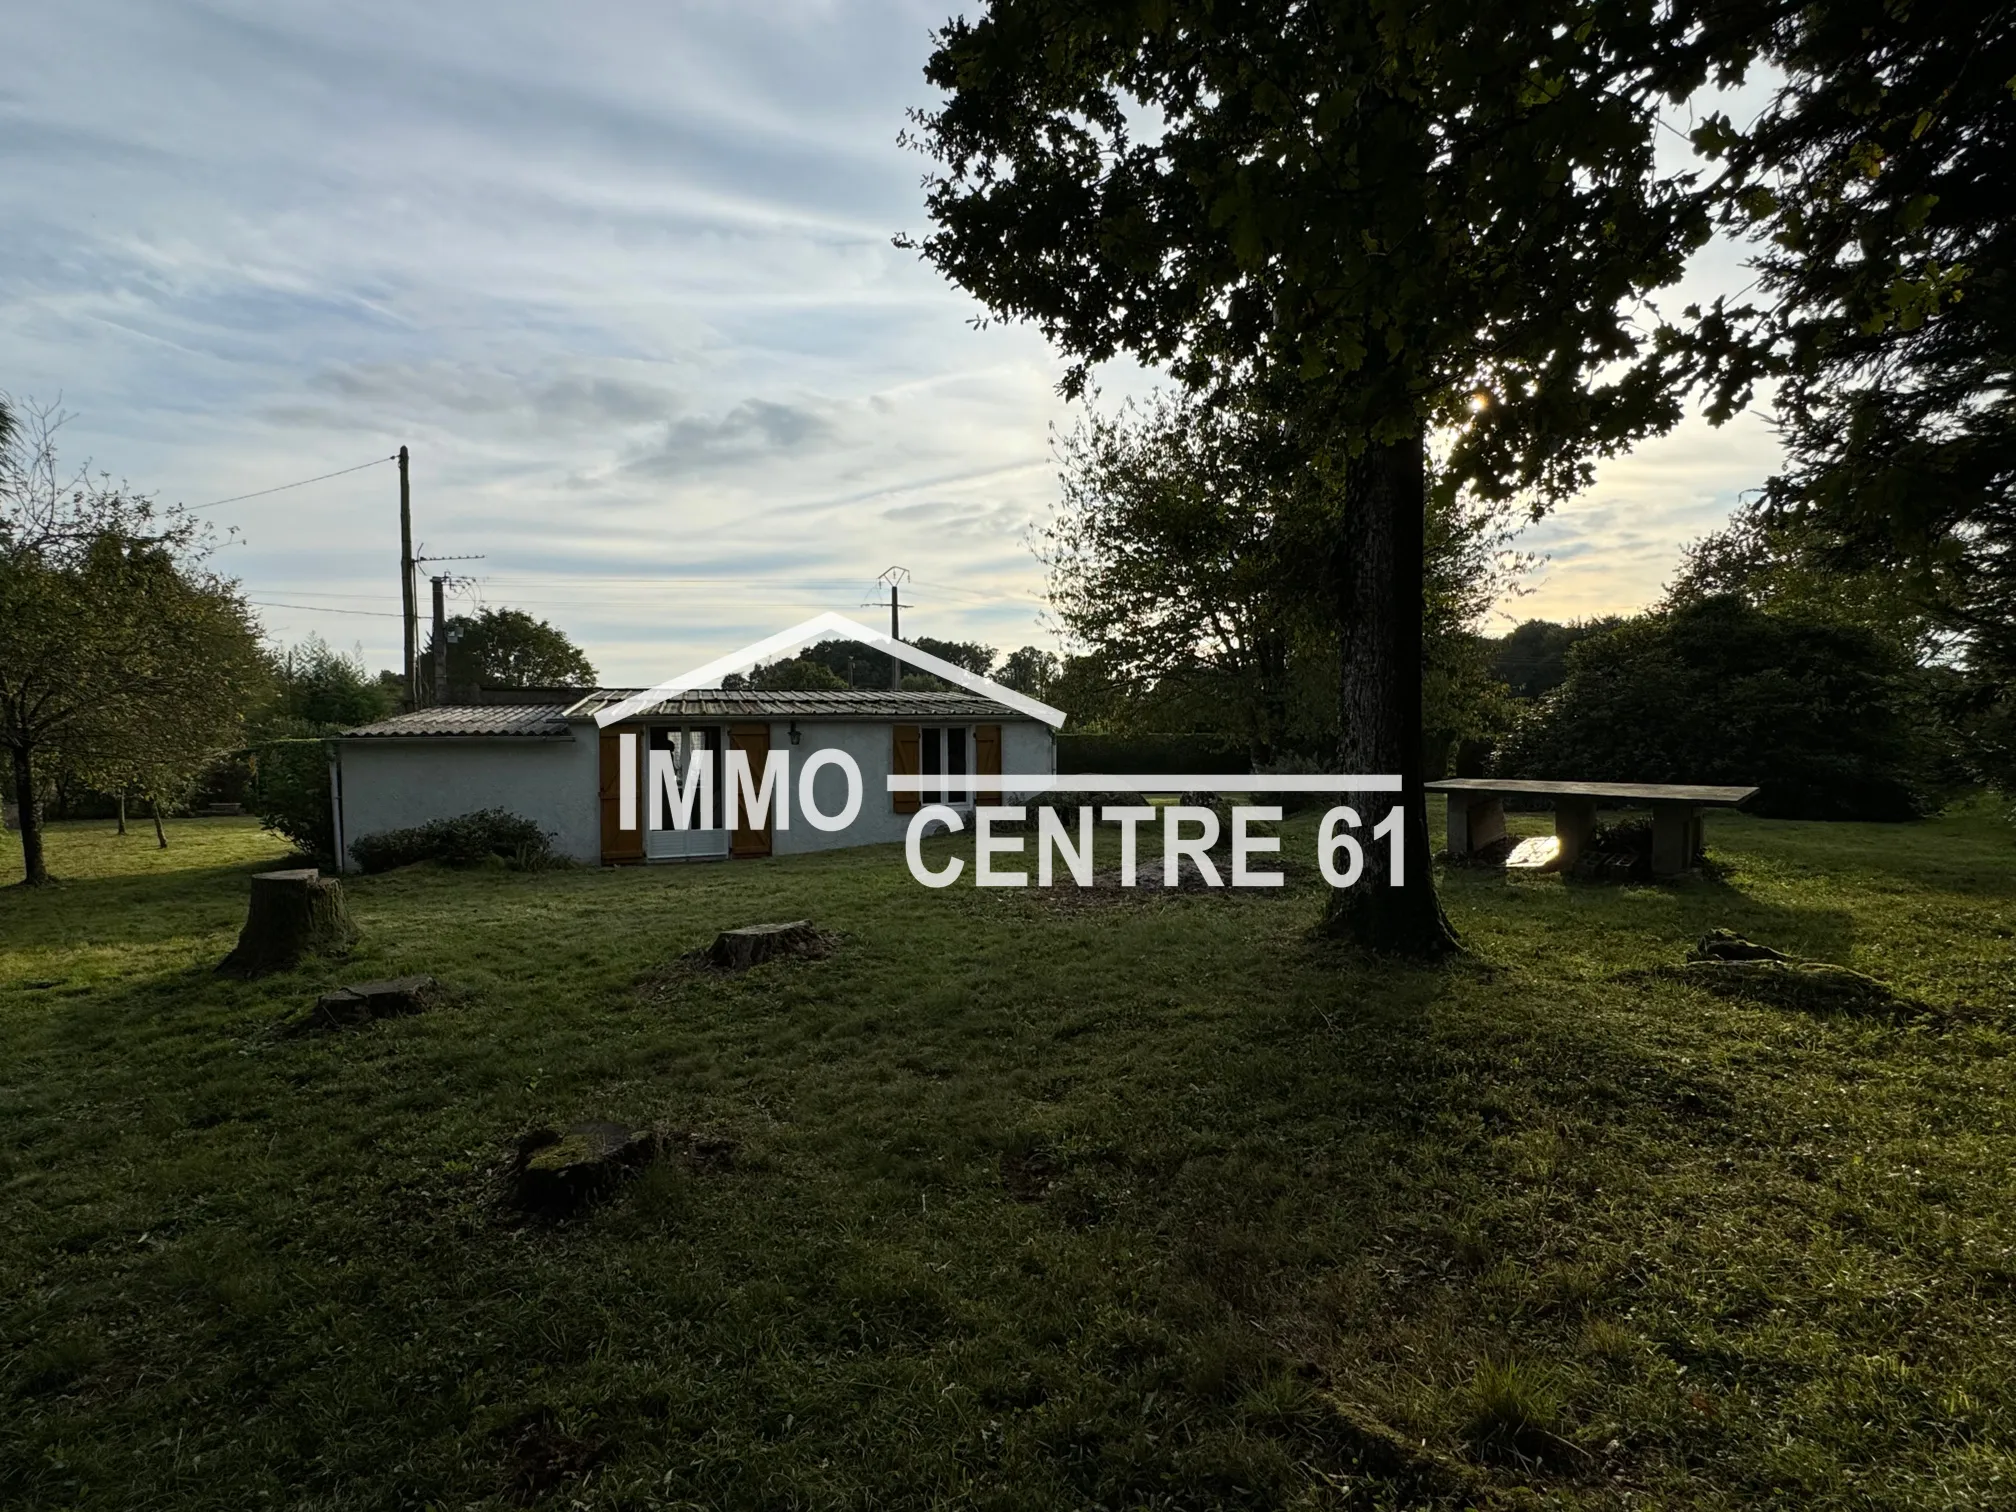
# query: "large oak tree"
1376 221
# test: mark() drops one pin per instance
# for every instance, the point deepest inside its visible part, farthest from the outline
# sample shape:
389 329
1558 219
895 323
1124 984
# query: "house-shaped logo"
786 643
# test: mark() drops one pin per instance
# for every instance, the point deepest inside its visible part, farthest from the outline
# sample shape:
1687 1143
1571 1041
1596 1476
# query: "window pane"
933 757
955 765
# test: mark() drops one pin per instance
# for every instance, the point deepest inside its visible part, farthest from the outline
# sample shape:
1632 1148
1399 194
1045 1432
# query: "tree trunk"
292 914
33 870
1378 577
122 811
160 835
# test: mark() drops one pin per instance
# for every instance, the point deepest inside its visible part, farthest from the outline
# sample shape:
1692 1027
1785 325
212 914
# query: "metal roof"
550 719
523 720
848 703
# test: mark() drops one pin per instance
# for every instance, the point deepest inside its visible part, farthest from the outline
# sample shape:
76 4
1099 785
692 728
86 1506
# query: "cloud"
754 430
1613 549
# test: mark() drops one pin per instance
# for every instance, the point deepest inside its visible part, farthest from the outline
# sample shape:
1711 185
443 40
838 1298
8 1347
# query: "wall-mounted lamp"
794 732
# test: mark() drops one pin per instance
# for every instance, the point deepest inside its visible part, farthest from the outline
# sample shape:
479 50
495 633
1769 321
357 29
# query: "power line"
326 609
636 591
299 483
630 610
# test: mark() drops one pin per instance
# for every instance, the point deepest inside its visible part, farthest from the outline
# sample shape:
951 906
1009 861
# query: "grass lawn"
1133 1203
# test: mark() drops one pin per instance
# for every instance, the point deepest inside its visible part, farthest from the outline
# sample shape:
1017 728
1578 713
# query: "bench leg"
1676 829
1574 823
1474 822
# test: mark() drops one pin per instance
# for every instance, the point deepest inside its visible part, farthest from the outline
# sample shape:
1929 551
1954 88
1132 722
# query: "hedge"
1154 755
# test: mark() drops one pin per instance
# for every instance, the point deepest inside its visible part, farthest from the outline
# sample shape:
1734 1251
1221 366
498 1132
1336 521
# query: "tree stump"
292 914
739 949
556 1174
348 1007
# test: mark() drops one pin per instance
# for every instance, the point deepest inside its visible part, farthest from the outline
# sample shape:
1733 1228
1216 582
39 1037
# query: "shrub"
290 793
1821 717
466 840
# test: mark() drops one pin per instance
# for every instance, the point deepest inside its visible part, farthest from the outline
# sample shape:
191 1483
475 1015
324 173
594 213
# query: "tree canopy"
508 648
318 687
1876 187
1179 559
1531 659
1715 691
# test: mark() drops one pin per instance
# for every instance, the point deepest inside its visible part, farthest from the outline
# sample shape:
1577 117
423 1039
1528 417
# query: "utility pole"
412 610
894 576
440 639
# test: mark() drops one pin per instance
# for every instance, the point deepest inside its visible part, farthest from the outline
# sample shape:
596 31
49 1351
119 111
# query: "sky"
621 276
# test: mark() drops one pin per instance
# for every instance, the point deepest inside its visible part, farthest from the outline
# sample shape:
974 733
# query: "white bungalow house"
562 763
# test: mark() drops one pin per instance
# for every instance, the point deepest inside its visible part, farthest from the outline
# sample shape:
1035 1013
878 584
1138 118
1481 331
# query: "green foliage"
507 648
1514 1411
466 840
856 665
1030 670
799 675
1363 222
1167 564
1876 190
317 691
1532 658
835 664
290 789
1151 754
971 655
1370 225
124 663
1820 717
1181 559
318 686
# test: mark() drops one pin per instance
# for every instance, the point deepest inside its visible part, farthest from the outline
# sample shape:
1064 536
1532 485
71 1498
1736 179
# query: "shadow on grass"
1665 916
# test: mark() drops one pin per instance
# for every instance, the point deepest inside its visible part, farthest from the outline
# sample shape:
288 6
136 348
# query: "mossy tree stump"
739 949
557 1174
292 914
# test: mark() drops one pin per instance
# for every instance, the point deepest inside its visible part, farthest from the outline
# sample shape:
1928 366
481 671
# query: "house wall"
1026 746
394 783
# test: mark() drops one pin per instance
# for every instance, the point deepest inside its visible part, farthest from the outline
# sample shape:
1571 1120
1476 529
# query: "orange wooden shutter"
753 740
987 757
620 847
906 761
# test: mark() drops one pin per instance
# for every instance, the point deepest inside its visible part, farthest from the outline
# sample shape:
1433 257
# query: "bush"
466 840
290 793
1821 717
1152 755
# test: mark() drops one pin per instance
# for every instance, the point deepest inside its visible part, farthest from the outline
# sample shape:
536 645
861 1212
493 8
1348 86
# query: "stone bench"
1477 813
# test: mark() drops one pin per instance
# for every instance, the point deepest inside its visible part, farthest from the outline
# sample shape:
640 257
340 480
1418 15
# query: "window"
689 744
944 757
